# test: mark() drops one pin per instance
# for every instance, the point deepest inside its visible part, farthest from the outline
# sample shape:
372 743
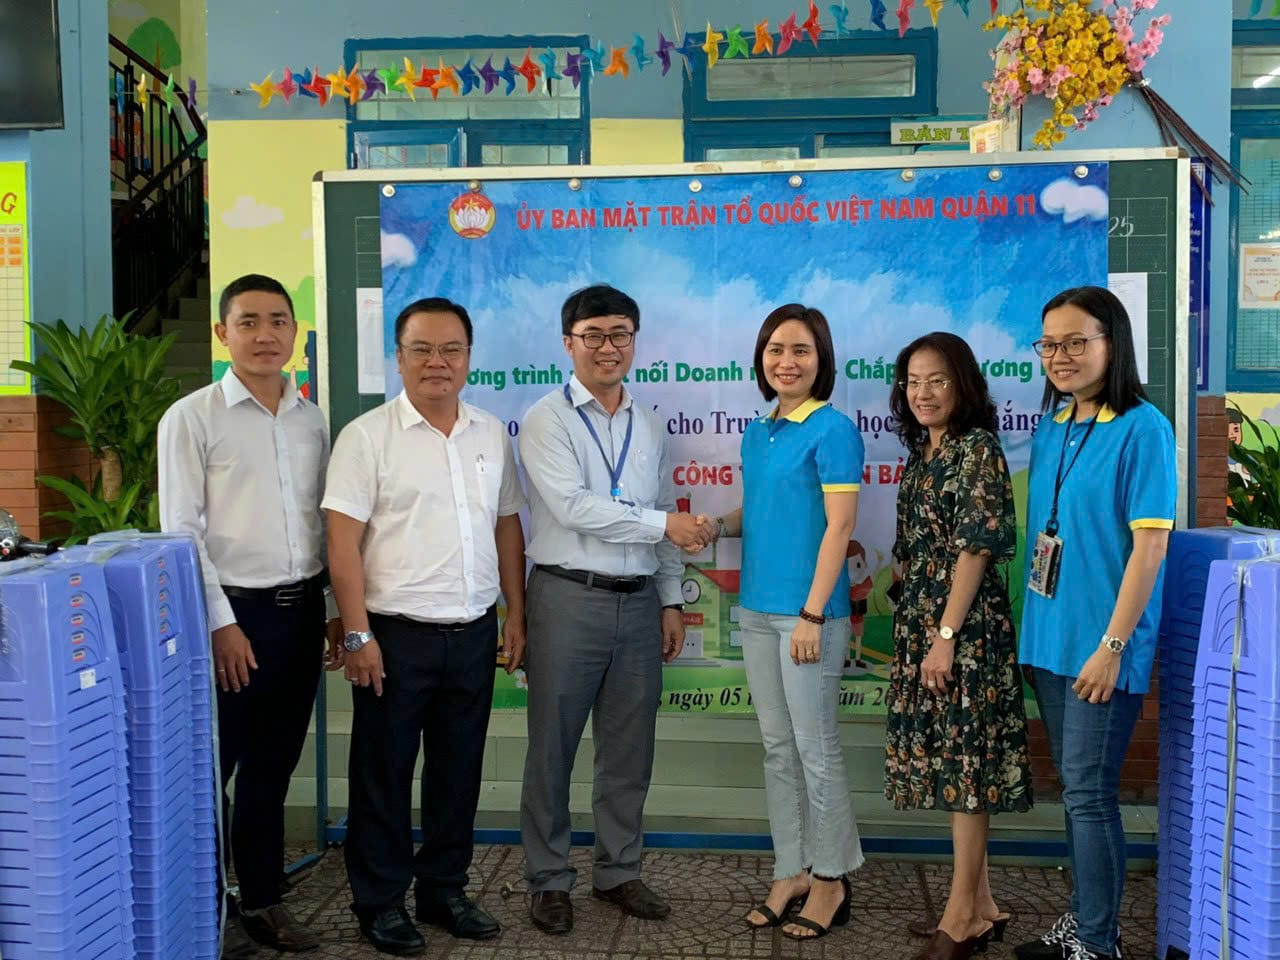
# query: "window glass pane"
728 154
1255 68
831 153
1258 331
807 78
558 100
522 154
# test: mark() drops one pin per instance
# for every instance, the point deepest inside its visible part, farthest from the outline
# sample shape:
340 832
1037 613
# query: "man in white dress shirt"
242 465
604 604
422 500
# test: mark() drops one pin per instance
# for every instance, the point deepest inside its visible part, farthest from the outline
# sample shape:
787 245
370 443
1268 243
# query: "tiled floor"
710 893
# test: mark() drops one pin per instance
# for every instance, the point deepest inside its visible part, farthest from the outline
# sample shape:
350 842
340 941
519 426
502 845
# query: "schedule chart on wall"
15 342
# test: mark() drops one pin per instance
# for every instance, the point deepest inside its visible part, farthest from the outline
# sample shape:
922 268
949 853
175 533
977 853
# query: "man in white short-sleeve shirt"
422 499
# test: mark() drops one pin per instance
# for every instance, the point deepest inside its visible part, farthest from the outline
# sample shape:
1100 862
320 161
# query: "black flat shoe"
840 918
391 931
461 916
772 919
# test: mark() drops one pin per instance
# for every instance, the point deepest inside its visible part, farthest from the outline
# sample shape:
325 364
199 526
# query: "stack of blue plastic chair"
186 589
1236 771
65 888
143 584
1186 577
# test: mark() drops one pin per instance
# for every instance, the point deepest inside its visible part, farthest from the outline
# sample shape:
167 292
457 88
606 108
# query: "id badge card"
1046 560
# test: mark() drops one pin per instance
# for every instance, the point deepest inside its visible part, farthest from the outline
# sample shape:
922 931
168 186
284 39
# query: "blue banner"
887 256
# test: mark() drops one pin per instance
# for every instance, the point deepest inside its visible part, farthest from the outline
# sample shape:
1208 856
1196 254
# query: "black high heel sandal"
840 918
772 919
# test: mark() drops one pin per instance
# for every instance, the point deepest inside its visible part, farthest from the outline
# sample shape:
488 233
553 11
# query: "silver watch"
1114 644
355 639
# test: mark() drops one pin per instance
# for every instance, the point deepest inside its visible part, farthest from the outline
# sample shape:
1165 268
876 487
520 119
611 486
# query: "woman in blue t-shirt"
1100 505
801 469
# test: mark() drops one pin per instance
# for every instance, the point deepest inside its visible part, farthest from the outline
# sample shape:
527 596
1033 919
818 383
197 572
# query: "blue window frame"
802 127
466 140
1253 336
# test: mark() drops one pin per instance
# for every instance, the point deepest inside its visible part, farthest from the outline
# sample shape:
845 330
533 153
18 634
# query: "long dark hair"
973 404
811 317
1121 387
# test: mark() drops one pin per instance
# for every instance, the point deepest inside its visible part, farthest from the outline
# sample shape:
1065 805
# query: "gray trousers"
589 651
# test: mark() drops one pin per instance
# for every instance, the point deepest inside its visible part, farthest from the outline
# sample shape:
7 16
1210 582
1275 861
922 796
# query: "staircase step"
192 355
189 331
202 289
194 308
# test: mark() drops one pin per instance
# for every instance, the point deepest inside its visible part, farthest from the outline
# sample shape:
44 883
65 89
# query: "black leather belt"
285 595
597 580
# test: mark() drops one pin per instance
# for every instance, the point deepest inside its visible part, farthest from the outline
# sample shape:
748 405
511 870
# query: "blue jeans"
810 807
1088 742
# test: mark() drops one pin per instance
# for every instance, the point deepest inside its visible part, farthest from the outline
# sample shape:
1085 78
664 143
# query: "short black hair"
251 283
433 305
599 300
974 407
1121 387
1234 415
825 381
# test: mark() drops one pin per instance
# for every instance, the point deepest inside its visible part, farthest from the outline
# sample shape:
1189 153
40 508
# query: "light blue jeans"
810 807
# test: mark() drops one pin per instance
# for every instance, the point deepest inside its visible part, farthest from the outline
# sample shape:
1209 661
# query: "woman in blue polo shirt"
1100 505
801 470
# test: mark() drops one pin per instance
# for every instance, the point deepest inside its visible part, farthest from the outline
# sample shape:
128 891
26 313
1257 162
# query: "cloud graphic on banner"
398 250
248 214
1074 201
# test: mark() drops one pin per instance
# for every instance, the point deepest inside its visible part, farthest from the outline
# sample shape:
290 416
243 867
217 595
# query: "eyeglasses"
936 384
449 352
1072 346
594 339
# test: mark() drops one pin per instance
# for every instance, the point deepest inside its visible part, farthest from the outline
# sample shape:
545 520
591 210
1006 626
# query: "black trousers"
262 730
438 691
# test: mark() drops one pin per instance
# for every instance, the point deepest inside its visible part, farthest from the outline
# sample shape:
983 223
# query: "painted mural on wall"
1253 437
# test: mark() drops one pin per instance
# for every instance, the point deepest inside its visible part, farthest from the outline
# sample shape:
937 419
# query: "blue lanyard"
615 472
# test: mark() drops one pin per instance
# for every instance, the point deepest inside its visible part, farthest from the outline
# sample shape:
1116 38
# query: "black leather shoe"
551 911
391 931
635 899
461 916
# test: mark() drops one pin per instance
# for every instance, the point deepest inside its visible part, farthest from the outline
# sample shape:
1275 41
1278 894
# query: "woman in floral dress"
956 726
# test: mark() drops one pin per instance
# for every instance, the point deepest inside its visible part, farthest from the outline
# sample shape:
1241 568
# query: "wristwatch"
946 633
1114 644
355 639
674 606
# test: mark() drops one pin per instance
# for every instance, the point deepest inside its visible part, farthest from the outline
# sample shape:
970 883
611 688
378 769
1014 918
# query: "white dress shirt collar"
410 416
580 396
235 392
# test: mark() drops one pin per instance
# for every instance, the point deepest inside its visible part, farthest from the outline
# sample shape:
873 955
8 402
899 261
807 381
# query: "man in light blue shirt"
602 607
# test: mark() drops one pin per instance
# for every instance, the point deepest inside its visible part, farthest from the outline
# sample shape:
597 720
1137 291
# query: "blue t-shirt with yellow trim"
1125 479
787 466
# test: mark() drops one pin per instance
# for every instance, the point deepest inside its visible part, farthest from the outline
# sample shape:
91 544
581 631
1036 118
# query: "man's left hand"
513 640
672 634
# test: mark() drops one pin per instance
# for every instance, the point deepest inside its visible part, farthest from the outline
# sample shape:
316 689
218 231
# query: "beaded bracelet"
811 617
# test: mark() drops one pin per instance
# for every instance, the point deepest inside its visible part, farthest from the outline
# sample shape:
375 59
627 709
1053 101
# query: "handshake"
692 533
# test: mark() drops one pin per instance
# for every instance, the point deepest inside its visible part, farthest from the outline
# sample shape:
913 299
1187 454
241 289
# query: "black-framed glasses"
936 384
1072 346
594 339
449 352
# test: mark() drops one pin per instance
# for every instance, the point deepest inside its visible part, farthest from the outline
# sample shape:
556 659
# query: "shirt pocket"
304 468
489 478
641 482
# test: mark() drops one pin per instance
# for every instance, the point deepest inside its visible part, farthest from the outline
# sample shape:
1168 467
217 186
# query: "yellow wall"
621 142
260 175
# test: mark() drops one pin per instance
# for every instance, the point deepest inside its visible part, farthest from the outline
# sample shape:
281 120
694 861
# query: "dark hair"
433 305
251 283
1121 387
600 300
812 318
974 407
1234 415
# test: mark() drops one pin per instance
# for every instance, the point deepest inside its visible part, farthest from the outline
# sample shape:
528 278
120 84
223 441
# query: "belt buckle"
289 596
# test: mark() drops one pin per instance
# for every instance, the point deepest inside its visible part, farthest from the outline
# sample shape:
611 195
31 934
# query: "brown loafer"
551 911
276 927
635 899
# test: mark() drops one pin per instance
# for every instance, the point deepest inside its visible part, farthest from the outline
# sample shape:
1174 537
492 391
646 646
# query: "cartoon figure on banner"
1235 434
860 587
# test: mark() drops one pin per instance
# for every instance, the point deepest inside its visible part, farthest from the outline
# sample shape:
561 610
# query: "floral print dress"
964 750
